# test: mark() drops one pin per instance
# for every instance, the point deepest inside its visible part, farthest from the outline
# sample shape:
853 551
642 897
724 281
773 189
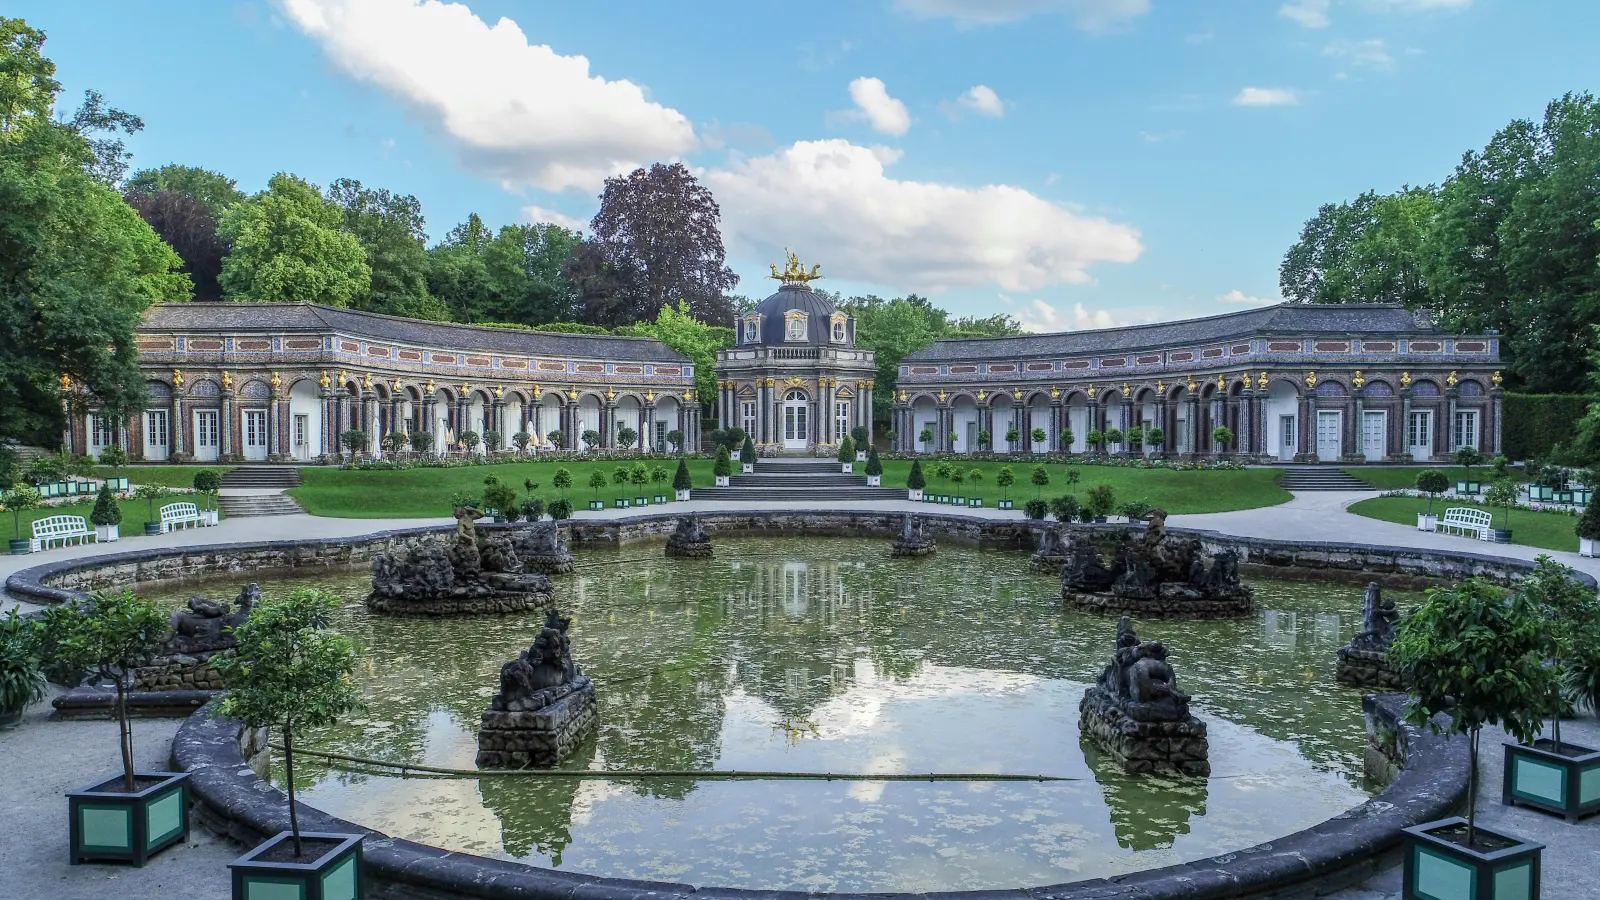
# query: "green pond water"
825 655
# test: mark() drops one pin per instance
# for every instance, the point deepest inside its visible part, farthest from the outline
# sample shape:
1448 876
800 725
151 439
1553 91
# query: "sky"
1072 163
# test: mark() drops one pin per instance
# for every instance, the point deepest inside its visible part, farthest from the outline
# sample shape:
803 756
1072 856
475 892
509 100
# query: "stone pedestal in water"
1051 554
689 539
912 540
1364 662
1137 715
468 577
544 548
545 707
201 632
1154 575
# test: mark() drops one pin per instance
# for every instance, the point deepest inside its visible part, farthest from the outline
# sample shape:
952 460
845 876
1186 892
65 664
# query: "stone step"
797 466
237 507
1320 479
808 479
860 493
261 476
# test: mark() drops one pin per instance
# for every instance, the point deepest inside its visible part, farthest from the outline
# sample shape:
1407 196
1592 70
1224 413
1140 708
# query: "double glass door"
796 428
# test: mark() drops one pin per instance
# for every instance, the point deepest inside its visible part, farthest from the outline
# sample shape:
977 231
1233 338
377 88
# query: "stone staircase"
1320 478
261 477
238 506
803 479
257 491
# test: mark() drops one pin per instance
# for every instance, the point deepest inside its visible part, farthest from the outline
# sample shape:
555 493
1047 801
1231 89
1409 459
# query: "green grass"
1176 492
1390 478
134 514
1550 530
170 476
426 493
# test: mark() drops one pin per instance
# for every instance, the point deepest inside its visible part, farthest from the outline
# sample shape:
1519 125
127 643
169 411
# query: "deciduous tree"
289 244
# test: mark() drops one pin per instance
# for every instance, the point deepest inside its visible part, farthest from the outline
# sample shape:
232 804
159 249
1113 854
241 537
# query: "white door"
255 434
1288 438
102 433
156 440
1374 434
971 444
207 435
1419 434
302 439
795 427
1330 425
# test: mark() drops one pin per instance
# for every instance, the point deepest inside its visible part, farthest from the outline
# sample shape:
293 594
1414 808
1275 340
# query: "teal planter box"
959 501
660 499
1005 504
329 870
641 501
1469 487
21 547
1539 492
974 501
152 529
1436 868
1566 783
597 505
945 499
117 484
107 824
621 503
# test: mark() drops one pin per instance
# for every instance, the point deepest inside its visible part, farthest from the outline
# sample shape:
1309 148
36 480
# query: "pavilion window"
1466 428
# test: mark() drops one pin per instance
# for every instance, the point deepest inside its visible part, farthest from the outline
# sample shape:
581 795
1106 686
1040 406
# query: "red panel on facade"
963 370
381 352
994 368
1471 346
303 344
513 364
1426 346
157 344
1284 346
481 362
350 346
628 370
591 369
1378 346
448 359
252 346
546 366
1041 367
1084 363
1148 360
1331 346
204 344
411 355
1184 356
1239 349
669 370
1116 362
1211 352
924 370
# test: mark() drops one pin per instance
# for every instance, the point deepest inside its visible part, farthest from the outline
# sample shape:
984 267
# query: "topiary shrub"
681 480
1065 507
1102 499
874 466
723 467
1589 523
1433 483
915 480
1036 509
747 452
532 509
561 509
106 511
847 450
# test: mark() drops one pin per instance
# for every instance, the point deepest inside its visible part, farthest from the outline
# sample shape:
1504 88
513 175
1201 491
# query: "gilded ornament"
537 392
649 396
1496 379
1055 393
177 378
1222 382
572 394
431 386
1193 388
1405 379
686 394
611 394
66 382
499 390
277 381
1091 389
1358 379
941 396
1262 381
1016 394
342 378
793 272
981 395
1125 391
902 396
466 388
1311 379
324 381
1161 387
367 381
1451 379
227 381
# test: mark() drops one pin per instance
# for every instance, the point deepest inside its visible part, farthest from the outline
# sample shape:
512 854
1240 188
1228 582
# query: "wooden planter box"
1469 487
661 498
641 501
597 505
1539 492
913 494
1005 504
111 825
334 874
1564 783
1438 869
974 501
683 494
620 503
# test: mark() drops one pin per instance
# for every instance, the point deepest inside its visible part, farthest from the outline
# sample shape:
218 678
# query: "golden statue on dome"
794 272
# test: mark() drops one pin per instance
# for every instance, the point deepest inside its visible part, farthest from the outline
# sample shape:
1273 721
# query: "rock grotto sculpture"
1364 662
689 539
1137 715
545 706
1052 553
1154 575
544 548
200 631
468 576
912 540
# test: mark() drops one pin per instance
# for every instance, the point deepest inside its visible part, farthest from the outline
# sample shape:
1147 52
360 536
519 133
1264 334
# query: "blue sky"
1072 162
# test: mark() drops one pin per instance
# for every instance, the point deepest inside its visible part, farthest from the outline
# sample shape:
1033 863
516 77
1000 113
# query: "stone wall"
180 672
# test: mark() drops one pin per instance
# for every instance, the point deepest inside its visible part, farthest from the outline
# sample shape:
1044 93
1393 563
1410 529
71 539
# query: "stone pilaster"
226 448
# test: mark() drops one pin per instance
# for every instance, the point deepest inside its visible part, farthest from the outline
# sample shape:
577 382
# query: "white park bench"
66 529
1474 522
174 515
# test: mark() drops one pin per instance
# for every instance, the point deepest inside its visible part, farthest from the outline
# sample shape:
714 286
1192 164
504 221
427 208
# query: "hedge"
1534 423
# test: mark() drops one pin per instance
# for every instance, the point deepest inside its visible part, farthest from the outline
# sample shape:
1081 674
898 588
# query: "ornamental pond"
825 655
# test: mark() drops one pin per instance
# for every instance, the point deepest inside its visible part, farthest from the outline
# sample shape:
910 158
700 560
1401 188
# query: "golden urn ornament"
177 378
982 394
1451 379
324 381
430 386
1496 378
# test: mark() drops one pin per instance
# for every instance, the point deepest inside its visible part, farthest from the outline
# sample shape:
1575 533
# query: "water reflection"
825 655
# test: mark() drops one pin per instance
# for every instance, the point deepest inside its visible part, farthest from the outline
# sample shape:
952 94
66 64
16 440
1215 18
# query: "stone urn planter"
1427 522
683 494
107 823
329 869
1566 783
104 533
1437 866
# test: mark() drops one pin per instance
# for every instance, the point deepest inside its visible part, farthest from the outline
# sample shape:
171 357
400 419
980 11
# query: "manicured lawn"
1391 478
1550 530
170 476
134 514
426 493
1176 492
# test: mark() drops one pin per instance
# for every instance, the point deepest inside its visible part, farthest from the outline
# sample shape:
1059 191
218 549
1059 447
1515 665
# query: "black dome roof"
775 309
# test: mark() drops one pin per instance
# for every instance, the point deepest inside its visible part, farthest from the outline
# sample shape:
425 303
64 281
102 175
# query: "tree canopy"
289 244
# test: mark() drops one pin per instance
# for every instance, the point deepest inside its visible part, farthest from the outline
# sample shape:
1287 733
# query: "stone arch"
204 387
1378 387
1332 388
1470 387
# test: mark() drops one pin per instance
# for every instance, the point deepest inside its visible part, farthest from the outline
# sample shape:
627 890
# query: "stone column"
647 427
1194 423
1359 402
370 419
864 398
178 429
1496 403
1246 417
608 425
1308 423
1091 418
1450 421
823 430
274 409
226 449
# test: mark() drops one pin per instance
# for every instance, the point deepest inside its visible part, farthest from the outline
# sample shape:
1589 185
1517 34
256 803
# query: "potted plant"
1067 440
20 498
291 671
132 815
975 475
1502 493
1095 437
421 442
1588 529
941 471
639 476
926 437
1551 774
1039 436
208 482
150 493
1113 437
1433 483
597 480
560 508
499 499
1135 510
395 441
620 476
626 437
1102 500
532 509
658 477
915 482
1466 458
1472 656
557 439
107 515
1004 479
1040 480
1065 508
1155 439
354 440
1012 436
1036 509
722 468
591 439
847 455
891 436
1136 438
682 482
747 456
958 476
862 437
1221 439
675 440
874 468
521 440
984 438
22 680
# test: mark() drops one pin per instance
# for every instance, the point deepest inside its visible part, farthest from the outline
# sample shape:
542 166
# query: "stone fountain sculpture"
689 539
1364 662
1137 715
544 548
1052 553
912 540
201 631
545 706
1154 575
468 576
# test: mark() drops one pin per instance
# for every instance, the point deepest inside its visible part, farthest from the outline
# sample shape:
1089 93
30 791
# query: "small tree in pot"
926 437
1102 500
557 438
658 477
723 467
591 439
292 671
682 482
1221 438
1467 458
915 482
395 441
1588 529
597 480
1433 483
1012 436
1095 439
847 455
499 500
862 436
1004 479
1113 437
471 441
1155 439
983 439
626 437
22 680
521 440
747 456
1503 493
1067 440
354 440
675 440
639 476
560 508
1039 436
1040 479
151 493
874 468
975 476
15 501
1065 507
107 515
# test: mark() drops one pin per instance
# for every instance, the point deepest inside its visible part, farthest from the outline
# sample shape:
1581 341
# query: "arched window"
838 331
796 329
795 395
749 331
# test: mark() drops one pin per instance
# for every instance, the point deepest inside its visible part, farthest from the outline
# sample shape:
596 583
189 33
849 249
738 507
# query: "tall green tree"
77 264
527 270
216 190
289 244
1371 250
390 229
893 329
458 274
183 204
680 330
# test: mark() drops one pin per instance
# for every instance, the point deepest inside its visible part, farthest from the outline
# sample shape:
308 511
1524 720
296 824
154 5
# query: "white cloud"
1310 13
1093 15
1372 53
1254 96
515 111
1038 316
834 201
535 214
1240 298
981 99
873 103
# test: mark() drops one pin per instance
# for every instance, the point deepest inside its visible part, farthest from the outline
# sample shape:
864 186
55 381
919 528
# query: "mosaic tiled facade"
241 382
1292 382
